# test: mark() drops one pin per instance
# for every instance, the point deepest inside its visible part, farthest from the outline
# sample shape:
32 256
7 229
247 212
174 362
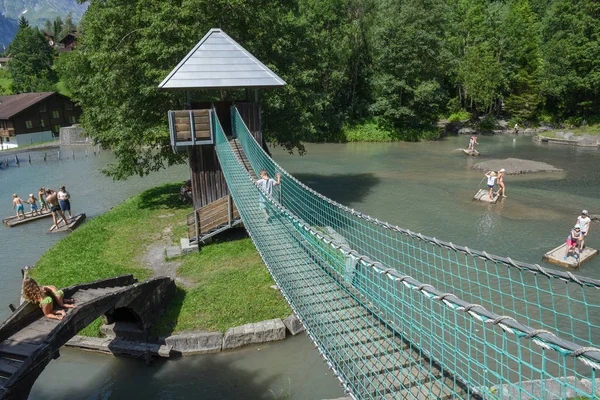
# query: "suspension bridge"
397 314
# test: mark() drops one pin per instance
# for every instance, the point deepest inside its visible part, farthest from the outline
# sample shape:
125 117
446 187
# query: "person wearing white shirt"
491 181
584 222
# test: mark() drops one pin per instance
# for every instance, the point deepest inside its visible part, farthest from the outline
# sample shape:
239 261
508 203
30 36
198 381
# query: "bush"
368 131
488 123
461 115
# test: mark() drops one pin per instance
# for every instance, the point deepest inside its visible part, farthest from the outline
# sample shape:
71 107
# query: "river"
425 187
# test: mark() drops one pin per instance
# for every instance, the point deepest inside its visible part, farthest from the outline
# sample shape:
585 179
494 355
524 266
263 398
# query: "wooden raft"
13 221
483 195
471 152
76 220
556 256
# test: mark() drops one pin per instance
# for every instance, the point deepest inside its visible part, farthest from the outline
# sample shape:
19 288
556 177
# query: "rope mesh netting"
400 315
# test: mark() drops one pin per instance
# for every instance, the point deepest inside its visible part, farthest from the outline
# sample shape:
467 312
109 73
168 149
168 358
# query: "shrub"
461 115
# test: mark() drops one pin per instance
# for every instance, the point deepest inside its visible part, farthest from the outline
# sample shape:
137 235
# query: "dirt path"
154 258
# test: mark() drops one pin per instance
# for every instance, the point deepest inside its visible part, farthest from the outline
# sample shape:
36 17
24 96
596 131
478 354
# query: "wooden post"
229 210
197 225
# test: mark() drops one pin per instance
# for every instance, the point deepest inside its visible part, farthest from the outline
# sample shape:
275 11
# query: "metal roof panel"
218 61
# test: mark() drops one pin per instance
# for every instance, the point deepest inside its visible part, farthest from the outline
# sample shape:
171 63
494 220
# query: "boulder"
467 131
293 324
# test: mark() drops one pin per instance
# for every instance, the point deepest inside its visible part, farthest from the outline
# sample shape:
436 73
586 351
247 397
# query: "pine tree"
23 23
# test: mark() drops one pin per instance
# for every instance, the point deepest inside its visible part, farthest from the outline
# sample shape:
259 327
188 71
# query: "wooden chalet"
67 43
29 118
216 62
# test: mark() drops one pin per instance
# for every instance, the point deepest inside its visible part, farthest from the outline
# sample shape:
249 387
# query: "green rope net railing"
389 333
558 301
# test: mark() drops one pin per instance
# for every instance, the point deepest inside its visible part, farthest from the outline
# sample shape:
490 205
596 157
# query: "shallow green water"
428 188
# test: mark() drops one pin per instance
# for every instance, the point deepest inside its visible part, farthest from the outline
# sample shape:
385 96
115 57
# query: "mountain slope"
8 30
38 11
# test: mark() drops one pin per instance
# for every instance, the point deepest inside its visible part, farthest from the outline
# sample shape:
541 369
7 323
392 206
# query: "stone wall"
70 135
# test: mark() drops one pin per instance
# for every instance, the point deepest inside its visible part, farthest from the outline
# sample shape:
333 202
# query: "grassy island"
224 285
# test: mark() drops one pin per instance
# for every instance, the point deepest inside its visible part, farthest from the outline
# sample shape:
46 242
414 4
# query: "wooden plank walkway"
75 221
557 256
483 195
371 357
13 221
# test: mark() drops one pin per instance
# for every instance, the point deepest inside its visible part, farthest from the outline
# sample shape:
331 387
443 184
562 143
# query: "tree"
23 23
523 60
478 53
57 27
31 63
571 58
67 27
48 27
410 62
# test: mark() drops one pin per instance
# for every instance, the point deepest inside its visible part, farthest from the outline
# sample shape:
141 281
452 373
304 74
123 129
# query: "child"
573 240
18 204
501 182
41 194
32 201
266 184
491 181
472 142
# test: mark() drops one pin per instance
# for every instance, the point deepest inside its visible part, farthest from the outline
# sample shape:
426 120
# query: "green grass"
232 288
231 282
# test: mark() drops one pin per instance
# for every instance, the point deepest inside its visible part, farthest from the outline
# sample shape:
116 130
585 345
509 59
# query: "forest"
396 65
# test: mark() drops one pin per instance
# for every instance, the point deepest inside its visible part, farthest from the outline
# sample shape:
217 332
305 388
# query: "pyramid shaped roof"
217 62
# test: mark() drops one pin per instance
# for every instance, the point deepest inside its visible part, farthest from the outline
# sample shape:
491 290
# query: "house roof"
218 61
4 59
14 104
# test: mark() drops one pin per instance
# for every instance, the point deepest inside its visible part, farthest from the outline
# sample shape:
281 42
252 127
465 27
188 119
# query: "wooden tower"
217 62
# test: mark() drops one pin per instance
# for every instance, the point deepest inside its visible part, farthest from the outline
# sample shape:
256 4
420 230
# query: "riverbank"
30 147
581 137
223 286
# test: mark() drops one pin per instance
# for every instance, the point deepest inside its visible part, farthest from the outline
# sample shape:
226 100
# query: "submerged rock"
515 166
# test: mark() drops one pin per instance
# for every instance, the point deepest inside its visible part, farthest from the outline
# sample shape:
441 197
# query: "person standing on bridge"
266 184
46 297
